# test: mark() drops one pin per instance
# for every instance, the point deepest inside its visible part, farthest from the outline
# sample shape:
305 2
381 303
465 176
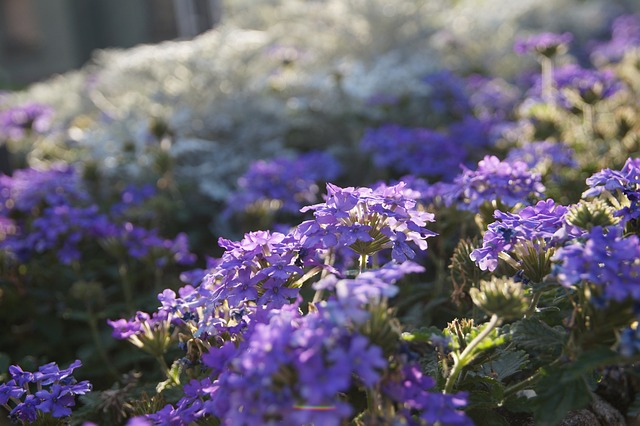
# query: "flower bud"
502 297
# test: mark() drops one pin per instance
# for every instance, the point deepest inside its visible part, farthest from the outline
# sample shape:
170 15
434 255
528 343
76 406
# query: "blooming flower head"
624 183
510 183
541 221
48 390
283 182
545 44
17 122
604 258
368 220
625 35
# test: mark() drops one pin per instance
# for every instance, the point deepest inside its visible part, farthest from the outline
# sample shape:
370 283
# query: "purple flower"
543 154
56 401
511 183
624 183
545 44
17 122
10 390
27 411
541 221
625 35
414 150
283 183
605 258
589 84
367 220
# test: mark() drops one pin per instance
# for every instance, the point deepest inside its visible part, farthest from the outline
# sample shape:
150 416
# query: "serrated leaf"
558 393
505 364
569 387
518 404
535 335
482 417
484 392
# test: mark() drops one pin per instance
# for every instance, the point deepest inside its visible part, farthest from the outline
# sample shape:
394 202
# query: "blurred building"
43 37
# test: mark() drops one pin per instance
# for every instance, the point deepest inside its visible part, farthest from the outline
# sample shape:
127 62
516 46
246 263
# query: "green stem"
534 303
547 78
465 356
165 369
95 334
363 262
513 389
126 288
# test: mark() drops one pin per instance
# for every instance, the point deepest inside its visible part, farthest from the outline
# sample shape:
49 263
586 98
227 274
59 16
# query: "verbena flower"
576 85
510 183
367 220
625 35
545 44
624 183
541 221
19 121
542 155
419 151
284 183
604 258
48 390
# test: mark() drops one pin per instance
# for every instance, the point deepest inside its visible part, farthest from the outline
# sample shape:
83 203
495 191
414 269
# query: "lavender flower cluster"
51 211
28 396
283 183
267 361
18 122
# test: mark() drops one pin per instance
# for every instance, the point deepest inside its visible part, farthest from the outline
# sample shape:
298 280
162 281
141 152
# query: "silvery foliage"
275 76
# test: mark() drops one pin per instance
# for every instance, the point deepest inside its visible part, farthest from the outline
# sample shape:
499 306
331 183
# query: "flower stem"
363 262
464 358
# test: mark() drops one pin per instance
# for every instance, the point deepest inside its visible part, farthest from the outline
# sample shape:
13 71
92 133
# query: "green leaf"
483 417
484 392
569 387
505 363
533 334
558 393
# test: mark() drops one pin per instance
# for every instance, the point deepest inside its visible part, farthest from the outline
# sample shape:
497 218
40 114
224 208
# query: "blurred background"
42 37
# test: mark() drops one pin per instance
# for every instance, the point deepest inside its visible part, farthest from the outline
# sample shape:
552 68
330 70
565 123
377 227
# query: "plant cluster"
478 263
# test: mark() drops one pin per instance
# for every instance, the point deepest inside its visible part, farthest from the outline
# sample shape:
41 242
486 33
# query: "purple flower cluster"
30 190
367 220
591 85
284 183
545 44
625 182
543 154
291 368
448 96
17 122
541 221
414 150
51 211
625 35
605 258
509 182
426 152
48 390
491 98
410 389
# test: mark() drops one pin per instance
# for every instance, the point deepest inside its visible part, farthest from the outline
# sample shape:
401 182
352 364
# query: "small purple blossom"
625 35
604 258
624 183
511 183
543 155
541 221
284 183
545 44
48 390
18 122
